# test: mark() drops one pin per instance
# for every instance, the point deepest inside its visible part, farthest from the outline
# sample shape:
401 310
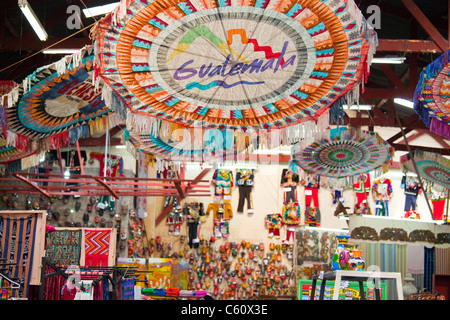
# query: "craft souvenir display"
342 240
289 182
238 65
356 263
223 182
431 98
273 222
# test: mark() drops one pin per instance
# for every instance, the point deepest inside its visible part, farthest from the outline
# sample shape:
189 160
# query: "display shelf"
358 276
438 222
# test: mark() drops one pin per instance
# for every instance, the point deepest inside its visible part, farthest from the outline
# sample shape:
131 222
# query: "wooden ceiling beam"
426 24
16 44
408 45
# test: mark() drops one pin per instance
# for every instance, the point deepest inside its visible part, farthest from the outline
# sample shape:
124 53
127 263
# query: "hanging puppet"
382 193
274 222
290 218
411 185
222 214
221 207
362 187
244 182
289 182
312 211
223 181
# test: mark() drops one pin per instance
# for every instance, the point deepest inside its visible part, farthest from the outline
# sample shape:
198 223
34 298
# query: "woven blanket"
97 247
17 243
65 247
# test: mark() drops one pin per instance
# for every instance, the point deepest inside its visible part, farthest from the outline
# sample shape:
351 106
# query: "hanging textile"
442 261
65 247
142 172
429 265
415 259
17 244
388 263
96 247
127 289
85 291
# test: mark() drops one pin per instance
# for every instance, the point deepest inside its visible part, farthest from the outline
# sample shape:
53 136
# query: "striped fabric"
97 247
17 240
442 261
429 266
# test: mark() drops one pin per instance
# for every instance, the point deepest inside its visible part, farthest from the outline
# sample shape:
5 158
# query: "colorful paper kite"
183 143
432 96
246 65
431 166
58 97
343 153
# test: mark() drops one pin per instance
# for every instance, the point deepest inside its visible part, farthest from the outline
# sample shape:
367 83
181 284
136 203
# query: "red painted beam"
385 93
408 45
108 187
40 190
426 24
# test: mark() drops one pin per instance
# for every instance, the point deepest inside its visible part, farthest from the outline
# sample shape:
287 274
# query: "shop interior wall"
268 198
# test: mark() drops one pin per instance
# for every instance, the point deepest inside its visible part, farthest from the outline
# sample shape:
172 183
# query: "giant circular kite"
343 154
431 166
432 96
190 144
233 65
56 101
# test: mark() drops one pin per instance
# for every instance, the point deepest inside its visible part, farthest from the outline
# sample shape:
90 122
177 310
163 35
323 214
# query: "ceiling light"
33 20
60 51
99 10
404 102
389 60
358 107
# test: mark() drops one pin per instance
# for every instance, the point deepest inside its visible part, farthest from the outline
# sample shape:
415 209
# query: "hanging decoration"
233 65
343 153
432 99
97 244
59 97
432 167
17 244
65 247
182 143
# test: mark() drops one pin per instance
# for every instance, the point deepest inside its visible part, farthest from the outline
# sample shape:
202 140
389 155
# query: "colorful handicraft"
97 247
244 182
432 99
432 167
250 65
17 245
59 97
171 141
65 247
343 153
274 222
